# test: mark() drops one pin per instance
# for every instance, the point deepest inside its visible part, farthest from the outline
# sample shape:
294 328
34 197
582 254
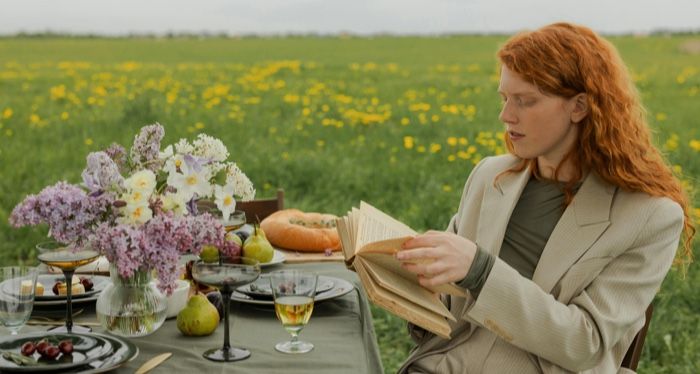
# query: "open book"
369 239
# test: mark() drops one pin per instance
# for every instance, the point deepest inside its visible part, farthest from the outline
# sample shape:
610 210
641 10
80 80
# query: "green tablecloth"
340 329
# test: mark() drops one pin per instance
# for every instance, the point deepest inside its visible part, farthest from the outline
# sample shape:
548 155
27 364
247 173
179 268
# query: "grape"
66 347
243 235
51 352
87 283
28 348
41 346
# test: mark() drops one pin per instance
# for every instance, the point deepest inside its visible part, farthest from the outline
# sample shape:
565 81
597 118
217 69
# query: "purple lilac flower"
146 148
102 173
122 245
118 154
67 209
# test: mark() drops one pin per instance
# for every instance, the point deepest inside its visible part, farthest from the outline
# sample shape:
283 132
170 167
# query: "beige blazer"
600 269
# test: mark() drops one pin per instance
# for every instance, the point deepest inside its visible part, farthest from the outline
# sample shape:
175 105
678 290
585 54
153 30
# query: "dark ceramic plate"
87 348
260 289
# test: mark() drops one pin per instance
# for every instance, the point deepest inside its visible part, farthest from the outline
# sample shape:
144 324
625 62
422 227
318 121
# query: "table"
340 329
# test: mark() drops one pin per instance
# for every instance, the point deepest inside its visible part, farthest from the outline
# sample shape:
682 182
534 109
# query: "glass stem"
226 296
69 305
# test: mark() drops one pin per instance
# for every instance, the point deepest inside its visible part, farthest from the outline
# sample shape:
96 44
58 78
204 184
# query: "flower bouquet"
139 209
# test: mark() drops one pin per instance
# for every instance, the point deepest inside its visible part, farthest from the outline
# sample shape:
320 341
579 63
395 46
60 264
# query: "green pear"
198 318
258 247
209 253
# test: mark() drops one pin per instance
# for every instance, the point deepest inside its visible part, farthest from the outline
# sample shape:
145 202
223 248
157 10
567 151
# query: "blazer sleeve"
576 335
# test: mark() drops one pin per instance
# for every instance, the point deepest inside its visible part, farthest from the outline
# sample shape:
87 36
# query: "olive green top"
536 213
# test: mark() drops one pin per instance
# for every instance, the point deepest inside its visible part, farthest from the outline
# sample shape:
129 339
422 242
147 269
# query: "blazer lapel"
582 223
498 204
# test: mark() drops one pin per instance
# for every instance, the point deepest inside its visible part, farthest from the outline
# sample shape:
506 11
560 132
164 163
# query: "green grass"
243 91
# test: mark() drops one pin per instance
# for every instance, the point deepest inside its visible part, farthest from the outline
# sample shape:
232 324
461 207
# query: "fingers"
415 254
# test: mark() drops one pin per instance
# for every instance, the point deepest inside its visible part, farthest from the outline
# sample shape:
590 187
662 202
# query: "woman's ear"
580 110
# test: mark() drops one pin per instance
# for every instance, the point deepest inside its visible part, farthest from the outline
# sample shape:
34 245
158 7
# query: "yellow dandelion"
695 145
452 141
420 149
451 158
405 121
88 141
34 118
320 143
306 111
435 148
435 118
7 113
198 125
463 141
661 116
408 142
65 116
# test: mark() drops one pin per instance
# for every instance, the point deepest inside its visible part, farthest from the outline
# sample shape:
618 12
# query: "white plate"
341 287
99 281
277 258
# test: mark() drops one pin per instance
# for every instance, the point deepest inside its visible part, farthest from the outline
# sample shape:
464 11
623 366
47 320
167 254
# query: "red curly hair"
614 139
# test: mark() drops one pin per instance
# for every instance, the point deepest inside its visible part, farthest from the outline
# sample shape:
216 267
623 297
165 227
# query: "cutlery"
34 322
152 363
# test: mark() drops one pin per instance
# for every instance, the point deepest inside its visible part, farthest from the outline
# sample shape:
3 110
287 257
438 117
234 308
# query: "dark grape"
55 288
66 347
243 235
41 346
216 300
28 348
87 283
51 352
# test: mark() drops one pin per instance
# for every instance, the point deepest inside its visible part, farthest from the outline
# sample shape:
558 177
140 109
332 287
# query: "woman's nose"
507 115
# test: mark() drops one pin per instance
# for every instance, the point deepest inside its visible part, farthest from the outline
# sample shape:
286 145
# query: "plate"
277 258
48 280
103 281
87 348
260 289
340 287
123 352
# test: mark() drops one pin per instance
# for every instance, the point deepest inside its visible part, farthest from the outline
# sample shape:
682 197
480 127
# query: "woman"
563 243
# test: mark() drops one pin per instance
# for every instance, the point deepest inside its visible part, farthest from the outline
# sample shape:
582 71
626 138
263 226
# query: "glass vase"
133 306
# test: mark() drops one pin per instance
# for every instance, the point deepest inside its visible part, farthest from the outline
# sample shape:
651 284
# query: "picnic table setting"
161 259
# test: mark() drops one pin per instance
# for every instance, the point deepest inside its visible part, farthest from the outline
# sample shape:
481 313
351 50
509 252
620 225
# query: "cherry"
87 283
41 346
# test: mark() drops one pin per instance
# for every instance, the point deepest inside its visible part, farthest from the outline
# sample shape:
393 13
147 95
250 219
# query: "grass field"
398 122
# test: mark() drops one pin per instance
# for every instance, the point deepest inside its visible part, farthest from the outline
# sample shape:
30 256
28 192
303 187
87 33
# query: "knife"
152 363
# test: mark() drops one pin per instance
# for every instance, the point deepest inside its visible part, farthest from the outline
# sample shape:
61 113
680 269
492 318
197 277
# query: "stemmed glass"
17 284
227 275
58 255
293 292
235 221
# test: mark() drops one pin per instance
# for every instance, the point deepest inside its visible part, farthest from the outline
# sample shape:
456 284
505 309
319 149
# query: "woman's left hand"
437 257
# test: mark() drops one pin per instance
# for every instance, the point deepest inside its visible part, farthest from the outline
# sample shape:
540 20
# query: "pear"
198 318
258 247
209 253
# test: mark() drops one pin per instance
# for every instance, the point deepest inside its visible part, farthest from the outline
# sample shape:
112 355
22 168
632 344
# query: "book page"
409 289
401 307
375 225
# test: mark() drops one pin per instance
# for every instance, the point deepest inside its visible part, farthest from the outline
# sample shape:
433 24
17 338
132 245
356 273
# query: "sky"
364 17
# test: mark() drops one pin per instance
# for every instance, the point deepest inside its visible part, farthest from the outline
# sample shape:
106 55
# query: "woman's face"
539 126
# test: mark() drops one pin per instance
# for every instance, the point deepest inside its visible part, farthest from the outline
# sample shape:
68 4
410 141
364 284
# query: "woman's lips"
515 136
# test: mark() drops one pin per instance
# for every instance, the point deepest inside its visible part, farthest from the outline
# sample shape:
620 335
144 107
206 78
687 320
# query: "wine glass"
17 284
58 255
227 275
235 221
293 292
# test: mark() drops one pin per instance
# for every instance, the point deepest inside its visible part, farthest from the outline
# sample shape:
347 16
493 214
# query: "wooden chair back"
633 354
259 209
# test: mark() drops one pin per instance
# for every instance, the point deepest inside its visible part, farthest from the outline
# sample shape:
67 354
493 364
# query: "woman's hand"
437 257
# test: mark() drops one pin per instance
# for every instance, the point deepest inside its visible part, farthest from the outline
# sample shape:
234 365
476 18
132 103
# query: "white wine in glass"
58 255
293 292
